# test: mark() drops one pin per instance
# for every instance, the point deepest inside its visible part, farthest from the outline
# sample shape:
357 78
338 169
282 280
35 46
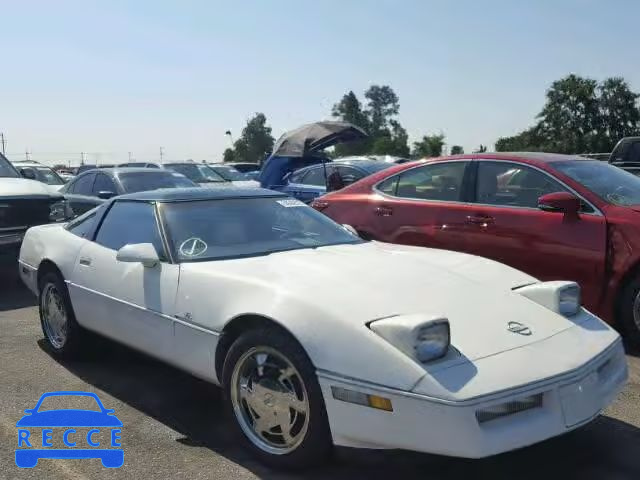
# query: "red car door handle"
479 219
384 211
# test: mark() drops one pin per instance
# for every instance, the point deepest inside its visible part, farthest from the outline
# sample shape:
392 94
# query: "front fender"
333 343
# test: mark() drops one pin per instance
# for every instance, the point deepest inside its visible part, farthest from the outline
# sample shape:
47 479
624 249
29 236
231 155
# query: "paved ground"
173 427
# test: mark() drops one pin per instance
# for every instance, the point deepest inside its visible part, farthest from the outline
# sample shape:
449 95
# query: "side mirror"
350 229
560 202
106 194
144 253
28 173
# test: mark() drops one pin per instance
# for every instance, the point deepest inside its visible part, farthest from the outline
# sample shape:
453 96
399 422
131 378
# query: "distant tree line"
580 116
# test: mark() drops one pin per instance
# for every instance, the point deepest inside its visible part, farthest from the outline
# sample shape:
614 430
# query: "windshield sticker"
291 202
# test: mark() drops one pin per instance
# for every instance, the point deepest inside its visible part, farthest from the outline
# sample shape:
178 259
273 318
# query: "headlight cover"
421 337
561 297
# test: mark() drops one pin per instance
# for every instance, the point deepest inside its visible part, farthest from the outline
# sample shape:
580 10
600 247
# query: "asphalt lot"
174 428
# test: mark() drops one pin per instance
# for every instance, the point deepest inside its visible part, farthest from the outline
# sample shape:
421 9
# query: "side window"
84 184
103 184
315 176
130 222
634 152
82 226
511 184
295 177
350 174
389 185
439 181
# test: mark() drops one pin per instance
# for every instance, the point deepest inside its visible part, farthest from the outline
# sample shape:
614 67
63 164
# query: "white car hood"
361 283
23 186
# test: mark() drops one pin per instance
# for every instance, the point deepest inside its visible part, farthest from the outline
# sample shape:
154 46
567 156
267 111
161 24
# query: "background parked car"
555 217
244 167
626 155
23 203
310 182
238 178
200 173
86 167
140 164
41 173
94 187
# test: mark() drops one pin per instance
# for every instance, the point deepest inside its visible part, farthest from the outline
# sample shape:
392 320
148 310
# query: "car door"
506 225
79 194
423 206
122 300
312 184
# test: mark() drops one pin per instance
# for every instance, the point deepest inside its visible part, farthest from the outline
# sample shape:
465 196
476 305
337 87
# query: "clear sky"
118 76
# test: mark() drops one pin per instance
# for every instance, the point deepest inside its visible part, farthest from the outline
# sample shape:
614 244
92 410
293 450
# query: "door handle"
480 219
85 261
384 211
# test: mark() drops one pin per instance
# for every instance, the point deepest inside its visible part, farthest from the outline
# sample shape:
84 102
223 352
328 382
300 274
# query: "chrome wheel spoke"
54 317
270 400
299 406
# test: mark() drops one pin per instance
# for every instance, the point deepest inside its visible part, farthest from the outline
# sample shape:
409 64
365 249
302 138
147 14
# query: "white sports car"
321 338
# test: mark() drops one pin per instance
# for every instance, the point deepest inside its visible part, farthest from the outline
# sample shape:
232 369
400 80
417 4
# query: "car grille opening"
24 212
509 408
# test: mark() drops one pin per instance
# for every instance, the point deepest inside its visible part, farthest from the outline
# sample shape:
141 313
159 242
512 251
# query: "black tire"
630 327
75 343
316 445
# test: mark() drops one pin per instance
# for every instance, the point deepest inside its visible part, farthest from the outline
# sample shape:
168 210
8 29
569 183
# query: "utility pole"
161 154
3 143
129 156
27 155
81 158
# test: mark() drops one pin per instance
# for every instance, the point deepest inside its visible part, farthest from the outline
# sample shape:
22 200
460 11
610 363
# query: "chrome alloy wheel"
270 400
54 316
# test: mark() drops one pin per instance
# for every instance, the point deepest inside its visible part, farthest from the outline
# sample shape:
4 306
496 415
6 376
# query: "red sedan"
555 217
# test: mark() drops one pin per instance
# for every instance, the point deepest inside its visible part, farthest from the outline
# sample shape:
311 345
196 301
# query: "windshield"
152 180
46 175
240 227
610 183
195 172
228 173
6 169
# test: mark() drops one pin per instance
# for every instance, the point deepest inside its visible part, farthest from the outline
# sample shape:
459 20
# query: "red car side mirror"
560 202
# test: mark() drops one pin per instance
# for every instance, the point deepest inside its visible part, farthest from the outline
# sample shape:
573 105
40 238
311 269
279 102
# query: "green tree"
255 142
580 116
619 113
429 146
570 118
382 105
228 155
395 143
349 109
457 150
526 141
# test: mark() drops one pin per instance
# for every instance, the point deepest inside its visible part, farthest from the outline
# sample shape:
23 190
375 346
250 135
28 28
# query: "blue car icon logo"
82 433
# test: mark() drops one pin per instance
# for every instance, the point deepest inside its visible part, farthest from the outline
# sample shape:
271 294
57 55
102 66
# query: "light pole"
161 154
3 143
228 133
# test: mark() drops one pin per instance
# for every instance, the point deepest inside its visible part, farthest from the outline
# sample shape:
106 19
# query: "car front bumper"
10 242
426 424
